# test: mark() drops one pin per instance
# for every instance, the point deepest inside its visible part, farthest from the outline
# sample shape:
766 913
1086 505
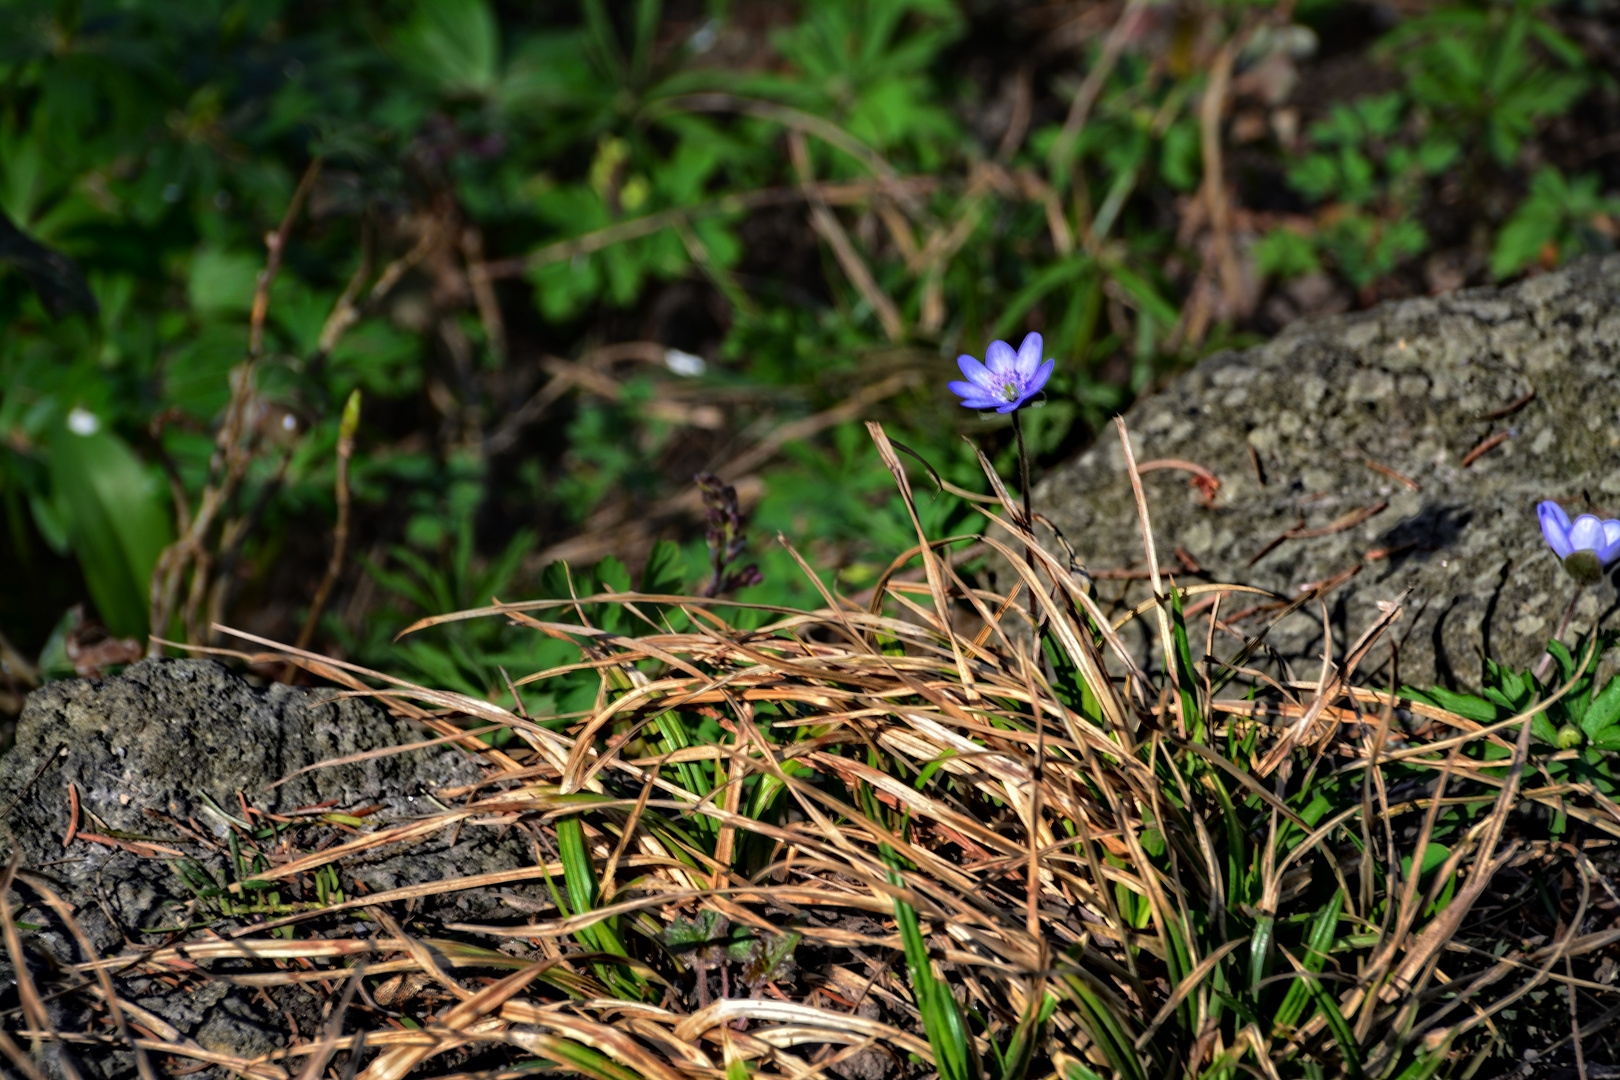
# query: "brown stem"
1086 96
235 447
276 242
340 539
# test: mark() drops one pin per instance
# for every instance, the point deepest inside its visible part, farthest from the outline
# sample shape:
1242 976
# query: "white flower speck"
684 363
82 421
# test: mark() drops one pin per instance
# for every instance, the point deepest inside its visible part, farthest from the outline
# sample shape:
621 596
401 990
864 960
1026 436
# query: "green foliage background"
610 164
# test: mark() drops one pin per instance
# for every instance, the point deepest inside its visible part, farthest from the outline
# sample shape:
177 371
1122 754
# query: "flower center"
1010 389
1584 567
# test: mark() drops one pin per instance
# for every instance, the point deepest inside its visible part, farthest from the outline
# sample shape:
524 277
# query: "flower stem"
1029 523
1569 612
1023 470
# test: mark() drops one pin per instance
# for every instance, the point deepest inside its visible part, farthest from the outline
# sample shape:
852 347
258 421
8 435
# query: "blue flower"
1586 547
1006 379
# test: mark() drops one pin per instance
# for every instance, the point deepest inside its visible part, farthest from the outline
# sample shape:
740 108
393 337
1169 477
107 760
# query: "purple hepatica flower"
1586 547
1006 379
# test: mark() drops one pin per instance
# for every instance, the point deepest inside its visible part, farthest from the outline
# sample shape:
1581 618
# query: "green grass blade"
941 1016
1106 1030
1317 948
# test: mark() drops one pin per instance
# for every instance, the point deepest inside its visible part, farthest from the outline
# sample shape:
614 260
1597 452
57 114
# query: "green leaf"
1285 253
1316 177
196 376
454 43
377 357
1604 711
1561 655
115 514
221 282
1466 705
941 1016
1527 232
768 959
684 935
1437 153
646 19
1180 156
666 570
550 71
612 575
1356 171
1381 113
1342 1035
1317 948
1021 1047
1144 294
602 42
1039 284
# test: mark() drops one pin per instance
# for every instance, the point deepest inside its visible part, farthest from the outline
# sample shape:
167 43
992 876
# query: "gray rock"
159 755
1415 387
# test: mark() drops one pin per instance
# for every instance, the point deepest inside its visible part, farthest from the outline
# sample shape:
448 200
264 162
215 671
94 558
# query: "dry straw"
952 831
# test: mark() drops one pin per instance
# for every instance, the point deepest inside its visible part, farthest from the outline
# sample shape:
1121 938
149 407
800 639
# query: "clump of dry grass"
951 832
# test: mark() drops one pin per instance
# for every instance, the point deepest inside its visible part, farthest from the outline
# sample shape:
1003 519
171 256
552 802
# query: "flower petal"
973 395
977 373
1039 380
1587 534
1611 542
1555 527
1000 358
1029 355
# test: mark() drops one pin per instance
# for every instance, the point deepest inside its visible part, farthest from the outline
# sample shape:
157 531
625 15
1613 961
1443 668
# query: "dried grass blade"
1166 638
457 1025
832 231
33 1006
1078 646
1329 688
19 1057
115 1007
1185 987
322 1052
930 567
604 1038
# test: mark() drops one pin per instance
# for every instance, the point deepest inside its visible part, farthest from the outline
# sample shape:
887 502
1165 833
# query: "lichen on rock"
1486 401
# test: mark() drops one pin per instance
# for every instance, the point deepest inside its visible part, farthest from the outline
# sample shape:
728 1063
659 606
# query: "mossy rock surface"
1416 387
156 757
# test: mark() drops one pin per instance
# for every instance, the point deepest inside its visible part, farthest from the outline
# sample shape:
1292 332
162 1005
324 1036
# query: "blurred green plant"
497 185
1553 223
110 508
1478 80
1489 72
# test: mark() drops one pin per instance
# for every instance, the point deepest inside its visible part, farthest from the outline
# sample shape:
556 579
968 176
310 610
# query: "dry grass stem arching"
773 827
